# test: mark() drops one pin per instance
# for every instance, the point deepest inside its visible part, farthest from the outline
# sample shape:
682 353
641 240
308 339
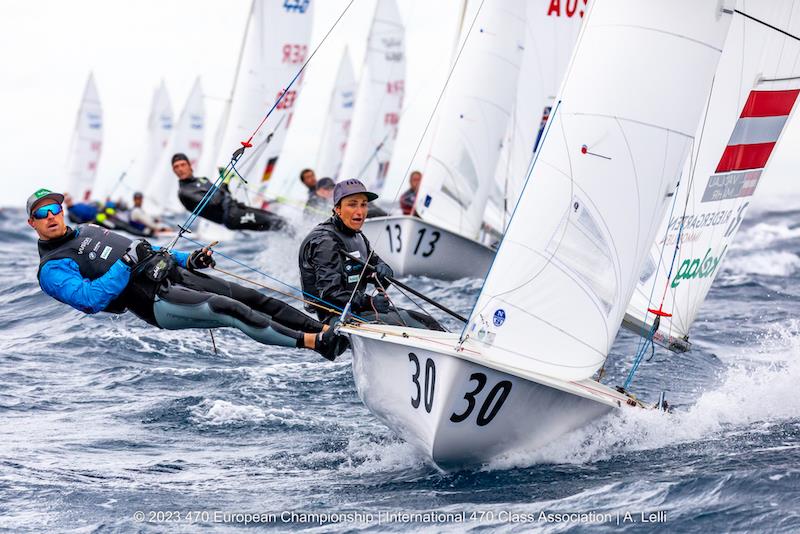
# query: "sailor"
408 198
141 220
309 179
326 272
322 200
105 216
222 208
94 269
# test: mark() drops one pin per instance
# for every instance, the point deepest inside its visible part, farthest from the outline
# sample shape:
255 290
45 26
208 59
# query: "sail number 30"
425 386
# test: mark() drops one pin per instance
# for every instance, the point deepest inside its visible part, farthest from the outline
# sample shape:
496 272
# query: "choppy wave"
104 416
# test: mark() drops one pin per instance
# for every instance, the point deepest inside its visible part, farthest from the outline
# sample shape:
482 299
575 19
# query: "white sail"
380 100
86 144
754 92
159 128
275 47
551 31
612 153
472 121
187 137
337 126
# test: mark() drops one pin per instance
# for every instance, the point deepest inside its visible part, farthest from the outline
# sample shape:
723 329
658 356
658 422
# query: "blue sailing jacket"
84 269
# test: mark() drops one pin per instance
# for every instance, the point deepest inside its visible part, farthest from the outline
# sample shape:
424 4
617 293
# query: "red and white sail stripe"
759 126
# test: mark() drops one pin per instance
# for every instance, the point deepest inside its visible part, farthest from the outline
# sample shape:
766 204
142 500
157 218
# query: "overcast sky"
50 46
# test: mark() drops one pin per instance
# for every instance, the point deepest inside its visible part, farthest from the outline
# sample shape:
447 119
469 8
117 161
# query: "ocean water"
110 425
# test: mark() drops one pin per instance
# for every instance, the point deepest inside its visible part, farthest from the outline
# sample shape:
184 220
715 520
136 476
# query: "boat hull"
459 412
417 248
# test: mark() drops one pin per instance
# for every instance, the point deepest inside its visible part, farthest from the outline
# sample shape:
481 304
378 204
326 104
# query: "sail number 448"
424 381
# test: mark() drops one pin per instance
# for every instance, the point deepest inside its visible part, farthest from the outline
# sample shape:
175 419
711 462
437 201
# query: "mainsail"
551 31
380 100
337 126
187 137
473 120
274 49
86 144
159 128
755 91
610 158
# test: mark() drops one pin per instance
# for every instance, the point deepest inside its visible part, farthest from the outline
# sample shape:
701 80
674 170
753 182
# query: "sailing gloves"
383 271
200 259
139 250
380 303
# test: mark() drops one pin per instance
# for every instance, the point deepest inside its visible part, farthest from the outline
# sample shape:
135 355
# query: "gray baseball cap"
39 195
351 187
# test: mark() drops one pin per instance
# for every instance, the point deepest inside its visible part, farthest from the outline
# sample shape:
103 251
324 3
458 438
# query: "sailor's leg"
241 217
180 307
278 310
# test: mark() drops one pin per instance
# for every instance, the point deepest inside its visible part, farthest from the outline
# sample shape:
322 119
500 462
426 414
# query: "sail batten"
614 151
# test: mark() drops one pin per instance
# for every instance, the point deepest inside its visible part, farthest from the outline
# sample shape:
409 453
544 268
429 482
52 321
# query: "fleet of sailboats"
592 159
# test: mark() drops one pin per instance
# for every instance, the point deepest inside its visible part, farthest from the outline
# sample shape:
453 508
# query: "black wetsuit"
87 269
224 209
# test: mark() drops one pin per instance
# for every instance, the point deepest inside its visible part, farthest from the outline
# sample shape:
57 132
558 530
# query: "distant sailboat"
159 128
519 375
86 145
551 32
275 46
755 91
475 130
337 125
187 137
379 101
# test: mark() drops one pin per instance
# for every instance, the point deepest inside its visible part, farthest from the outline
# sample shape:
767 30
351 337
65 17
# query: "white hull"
412 246
421 387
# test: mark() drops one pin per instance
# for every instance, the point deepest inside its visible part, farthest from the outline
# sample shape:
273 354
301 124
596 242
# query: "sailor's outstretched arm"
62 280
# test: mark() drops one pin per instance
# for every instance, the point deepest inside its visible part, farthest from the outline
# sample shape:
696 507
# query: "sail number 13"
424 381
423 246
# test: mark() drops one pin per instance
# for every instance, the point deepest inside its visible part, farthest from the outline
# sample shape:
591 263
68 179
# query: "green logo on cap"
42 192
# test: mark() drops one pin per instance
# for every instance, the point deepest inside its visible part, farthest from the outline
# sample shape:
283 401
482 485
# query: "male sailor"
222 208
94 269
319 205
104 215
309 179
142 220
408 198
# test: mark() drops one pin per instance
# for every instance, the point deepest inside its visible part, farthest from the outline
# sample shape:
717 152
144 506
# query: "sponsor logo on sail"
698 268
499 317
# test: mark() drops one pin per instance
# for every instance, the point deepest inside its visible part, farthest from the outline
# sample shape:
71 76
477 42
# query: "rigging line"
438 100
262 273
247 144
767 24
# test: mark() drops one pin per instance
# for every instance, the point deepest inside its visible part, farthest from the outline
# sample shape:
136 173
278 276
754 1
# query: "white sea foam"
764 234
750 394
773 263
220 412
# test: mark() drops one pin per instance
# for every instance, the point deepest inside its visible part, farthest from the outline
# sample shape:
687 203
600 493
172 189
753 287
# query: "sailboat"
159 128
86 144
340 115
379 101
755 91
275 46
187 137
550 35
520 373
523 45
